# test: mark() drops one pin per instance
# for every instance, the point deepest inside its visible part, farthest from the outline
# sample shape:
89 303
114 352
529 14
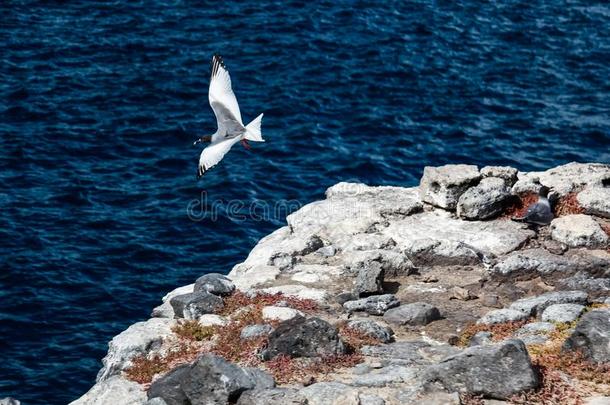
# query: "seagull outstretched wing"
213 154
223 101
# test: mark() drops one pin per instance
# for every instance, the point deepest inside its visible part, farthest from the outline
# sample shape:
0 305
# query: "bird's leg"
245 144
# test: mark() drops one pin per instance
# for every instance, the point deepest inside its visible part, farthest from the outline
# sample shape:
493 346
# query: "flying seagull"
228 119
540 212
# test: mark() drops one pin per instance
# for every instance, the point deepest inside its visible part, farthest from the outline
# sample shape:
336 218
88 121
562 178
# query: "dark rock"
211 379
372 329
417 313
302 337
592 336
374 305
168 386
214 283
273 396
202 303
192 305
369 280
496 371
343 297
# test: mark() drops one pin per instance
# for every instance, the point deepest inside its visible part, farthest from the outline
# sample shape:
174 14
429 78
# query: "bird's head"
205 138
544 191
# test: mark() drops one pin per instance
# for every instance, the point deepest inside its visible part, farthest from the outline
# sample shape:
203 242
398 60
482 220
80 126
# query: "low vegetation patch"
499 331
143 368
193 330
286 369
193 339
568 205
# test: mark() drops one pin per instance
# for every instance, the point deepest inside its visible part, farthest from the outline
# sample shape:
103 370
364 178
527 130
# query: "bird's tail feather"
253 130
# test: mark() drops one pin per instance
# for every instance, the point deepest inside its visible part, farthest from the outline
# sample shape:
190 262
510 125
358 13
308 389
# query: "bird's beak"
197 141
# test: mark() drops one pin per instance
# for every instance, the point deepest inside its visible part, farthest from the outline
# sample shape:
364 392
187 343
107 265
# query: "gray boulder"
369 280
302 337
531 263
374 305
168 387
534 306
578 230
414 314
392 263
502 316
272 396
254 331
567 178
139 338
210 380
434 252
442 186
496 371
214 283
562 312
113 390
486 200
372 329
595 201
201 303
506 173
9 401
406 353
592 336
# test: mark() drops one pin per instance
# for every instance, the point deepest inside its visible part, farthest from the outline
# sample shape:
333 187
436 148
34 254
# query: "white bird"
228 119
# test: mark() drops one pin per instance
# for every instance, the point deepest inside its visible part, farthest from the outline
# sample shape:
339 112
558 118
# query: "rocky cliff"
394 295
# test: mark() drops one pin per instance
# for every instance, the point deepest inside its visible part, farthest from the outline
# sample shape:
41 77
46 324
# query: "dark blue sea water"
100 102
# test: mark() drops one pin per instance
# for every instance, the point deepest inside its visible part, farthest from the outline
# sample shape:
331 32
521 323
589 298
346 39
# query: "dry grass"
193 330
286 369
499 331
356 339
554 389
225 341
568 205
238 300
144 368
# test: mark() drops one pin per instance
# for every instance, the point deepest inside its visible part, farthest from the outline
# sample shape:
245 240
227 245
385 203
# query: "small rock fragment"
214 283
